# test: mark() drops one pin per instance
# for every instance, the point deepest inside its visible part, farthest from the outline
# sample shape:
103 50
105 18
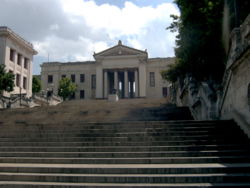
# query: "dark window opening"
164 91
18 78
26 63
24 82
93 81
152 79
12 55
50 79
82 94
82 78
19 59
73 78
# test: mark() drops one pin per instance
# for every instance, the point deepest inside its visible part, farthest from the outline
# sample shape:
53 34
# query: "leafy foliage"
200 52
6 80
36 85
66 88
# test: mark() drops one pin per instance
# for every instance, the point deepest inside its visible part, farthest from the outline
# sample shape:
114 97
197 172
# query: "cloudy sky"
72 30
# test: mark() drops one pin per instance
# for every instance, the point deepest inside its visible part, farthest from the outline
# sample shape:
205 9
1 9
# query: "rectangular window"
18 78
50 79
63 76
12 55
82 78
24 82
93 81
73 77
164 91
82 94
26 63
19 59
152 79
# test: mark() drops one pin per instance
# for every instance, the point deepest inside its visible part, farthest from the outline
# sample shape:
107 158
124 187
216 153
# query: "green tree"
200 52
66 88
36 85
6 80
199 49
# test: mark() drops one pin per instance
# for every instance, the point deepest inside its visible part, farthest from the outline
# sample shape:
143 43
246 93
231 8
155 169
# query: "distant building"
127 70
17 55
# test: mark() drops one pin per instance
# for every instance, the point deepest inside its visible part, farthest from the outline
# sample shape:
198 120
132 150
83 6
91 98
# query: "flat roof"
4 30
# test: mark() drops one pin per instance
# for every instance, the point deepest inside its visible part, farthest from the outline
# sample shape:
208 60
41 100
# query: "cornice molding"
7 32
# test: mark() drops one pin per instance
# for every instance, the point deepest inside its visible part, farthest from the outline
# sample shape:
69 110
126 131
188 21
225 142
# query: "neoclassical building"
127 70
17 56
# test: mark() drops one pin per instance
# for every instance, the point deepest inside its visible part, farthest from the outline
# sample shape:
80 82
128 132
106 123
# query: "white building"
17 55
127 70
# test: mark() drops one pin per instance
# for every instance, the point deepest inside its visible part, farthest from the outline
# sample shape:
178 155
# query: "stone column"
126 83
105 84
136 84
99 82
142 79
116 81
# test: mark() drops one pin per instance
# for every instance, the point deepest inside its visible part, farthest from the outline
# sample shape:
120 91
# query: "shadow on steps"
162 113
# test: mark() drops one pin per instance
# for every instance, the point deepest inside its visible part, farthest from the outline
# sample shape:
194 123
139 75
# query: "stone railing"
201 98
16 101
42 99
231 100
235 98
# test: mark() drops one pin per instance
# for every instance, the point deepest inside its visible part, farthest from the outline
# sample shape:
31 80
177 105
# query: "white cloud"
71 30
130 20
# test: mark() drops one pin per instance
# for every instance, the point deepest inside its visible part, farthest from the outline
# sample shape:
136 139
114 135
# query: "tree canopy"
200 52
36 85
6 80
66 88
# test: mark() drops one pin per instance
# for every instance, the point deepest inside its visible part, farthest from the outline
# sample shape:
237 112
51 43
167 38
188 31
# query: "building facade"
127 71
17 56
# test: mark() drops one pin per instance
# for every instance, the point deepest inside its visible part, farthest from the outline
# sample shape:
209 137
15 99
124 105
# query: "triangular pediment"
120 50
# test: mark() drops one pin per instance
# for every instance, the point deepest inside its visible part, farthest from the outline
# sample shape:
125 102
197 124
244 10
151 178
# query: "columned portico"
124 81
121 69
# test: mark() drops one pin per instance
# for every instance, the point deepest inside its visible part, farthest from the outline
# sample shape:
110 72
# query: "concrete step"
117 128
105 130
125 148
128 143
126 168
20 184
126 178
120 125
201 153
125 154
119 138
116 134
161 134
145 160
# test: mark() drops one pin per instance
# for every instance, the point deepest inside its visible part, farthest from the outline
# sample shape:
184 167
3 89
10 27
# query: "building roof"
5 31
119 50
68 63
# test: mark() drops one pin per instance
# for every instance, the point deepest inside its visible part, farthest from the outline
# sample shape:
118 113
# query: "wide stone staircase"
182 153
